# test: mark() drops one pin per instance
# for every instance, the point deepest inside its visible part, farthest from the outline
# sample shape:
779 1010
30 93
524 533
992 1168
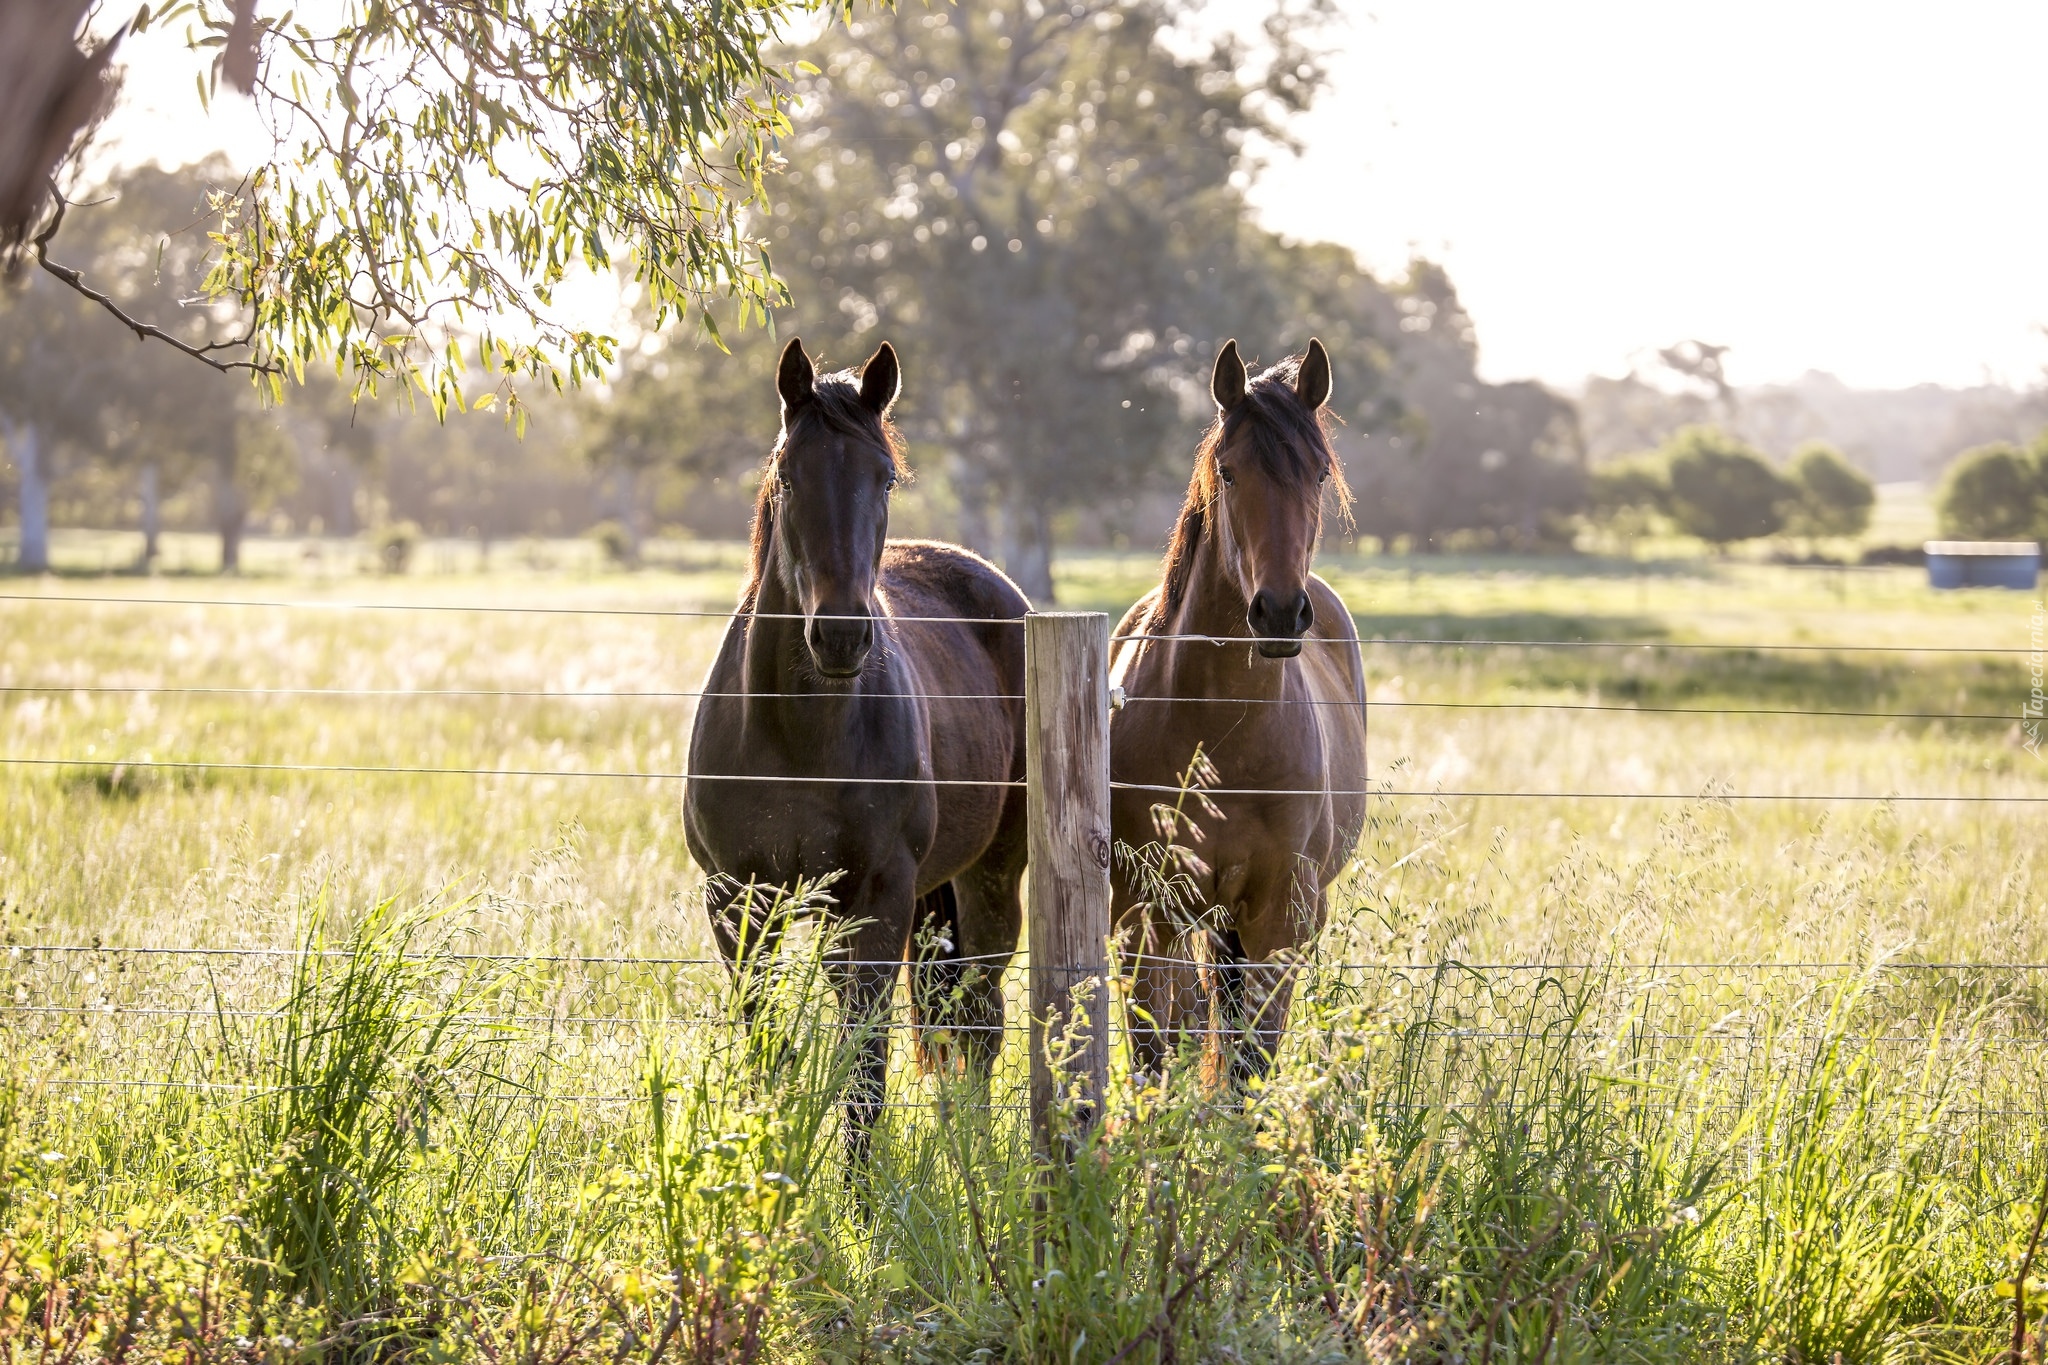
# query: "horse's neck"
1212 604
782 692
776 628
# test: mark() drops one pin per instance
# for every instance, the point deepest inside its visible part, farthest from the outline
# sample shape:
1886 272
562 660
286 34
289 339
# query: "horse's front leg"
969 931
863 967
1164 999
747 920
1277 925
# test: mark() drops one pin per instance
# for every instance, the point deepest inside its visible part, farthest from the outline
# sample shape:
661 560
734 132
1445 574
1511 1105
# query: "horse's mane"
835 405
1290 442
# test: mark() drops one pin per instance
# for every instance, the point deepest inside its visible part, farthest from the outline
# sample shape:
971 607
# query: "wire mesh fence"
575 1031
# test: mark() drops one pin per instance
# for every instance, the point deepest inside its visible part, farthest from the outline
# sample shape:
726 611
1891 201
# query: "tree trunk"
626 508
341 500
1422 540
1422 526
970 490
49 91
230 516
23 442
1029 561
152 515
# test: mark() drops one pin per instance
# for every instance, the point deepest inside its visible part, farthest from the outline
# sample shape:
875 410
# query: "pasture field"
1632 1037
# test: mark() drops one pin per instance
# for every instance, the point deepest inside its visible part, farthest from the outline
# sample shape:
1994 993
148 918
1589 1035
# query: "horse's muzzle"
1280 622
839 645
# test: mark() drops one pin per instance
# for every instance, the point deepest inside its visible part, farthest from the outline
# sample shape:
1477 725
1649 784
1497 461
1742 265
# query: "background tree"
1625 497
46 402
1629 414
1834 498
1451 454
140 413
1996 492
680 408
1703 365
1722 490
1043 209
1046 201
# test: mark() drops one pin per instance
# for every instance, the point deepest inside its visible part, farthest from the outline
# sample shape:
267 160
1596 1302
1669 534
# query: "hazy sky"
1847 187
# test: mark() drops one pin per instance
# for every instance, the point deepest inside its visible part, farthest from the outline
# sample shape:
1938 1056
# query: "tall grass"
1831 1234
1513 1175
379 1145
371 1056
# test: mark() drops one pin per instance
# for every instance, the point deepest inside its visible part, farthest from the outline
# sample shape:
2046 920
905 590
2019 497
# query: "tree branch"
143 330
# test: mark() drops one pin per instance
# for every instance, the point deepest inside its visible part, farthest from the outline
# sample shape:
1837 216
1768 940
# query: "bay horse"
880 683
1267 715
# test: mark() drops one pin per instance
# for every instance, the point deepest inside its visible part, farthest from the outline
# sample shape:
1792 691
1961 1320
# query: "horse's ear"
1227 384
795 379
1312 381
880 380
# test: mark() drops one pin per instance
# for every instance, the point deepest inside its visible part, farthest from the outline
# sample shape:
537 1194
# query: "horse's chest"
758 806
1265 777
764 845
1274 746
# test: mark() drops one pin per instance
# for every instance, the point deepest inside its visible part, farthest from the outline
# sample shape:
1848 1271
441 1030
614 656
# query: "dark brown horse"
879 684
1283 712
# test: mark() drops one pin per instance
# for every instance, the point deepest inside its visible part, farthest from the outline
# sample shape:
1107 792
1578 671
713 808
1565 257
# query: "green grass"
462 1130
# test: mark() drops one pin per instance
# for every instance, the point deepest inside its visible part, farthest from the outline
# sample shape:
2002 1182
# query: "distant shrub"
1914 555
1635 483
1722 490
620 548
395 545
1996 492
1835 498
1806 559
1625 497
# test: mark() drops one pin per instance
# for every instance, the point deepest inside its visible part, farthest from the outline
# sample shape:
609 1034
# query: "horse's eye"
1229 480
1323 477
890 486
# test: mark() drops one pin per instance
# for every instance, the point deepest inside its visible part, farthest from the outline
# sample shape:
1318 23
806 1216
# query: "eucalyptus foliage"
440 168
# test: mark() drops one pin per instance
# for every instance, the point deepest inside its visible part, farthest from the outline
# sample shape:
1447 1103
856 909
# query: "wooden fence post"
1066 757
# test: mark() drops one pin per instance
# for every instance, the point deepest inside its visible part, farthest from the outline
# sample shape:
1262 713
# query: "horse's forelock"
1290 440
835 406
1291 444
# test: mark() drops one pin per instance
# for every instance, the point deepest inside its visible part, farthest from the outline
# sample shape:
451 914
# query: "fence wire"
717 614
690 694
1378 793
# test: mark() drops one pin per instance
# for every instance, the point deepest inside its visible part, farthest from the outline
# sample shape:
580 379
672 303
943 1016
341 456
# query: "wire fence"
90 1019
1969 1038
1377 791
